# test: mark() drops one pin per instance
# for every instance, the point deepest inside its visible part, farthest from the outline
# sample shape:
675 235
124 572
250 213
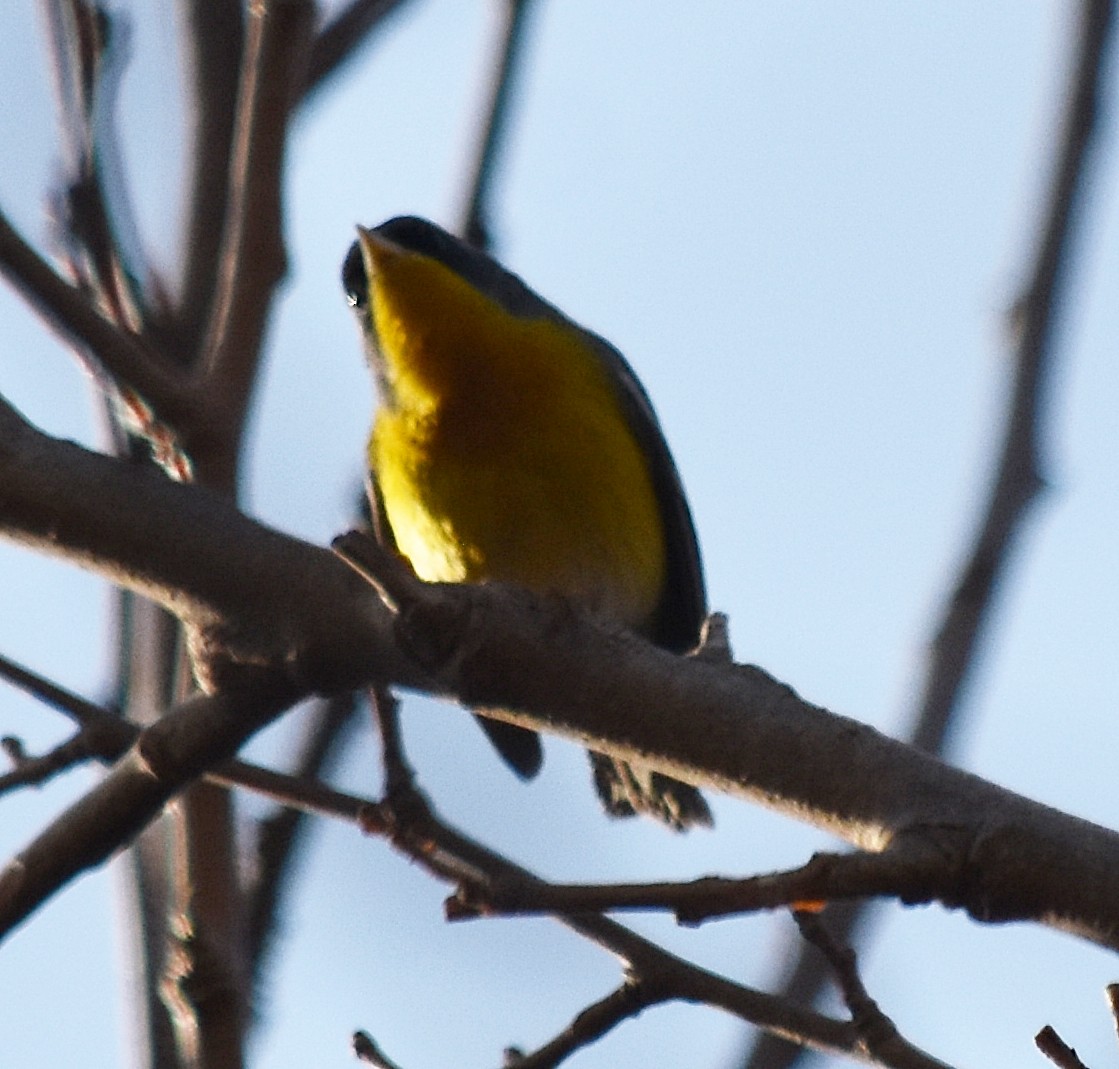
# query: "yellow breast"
502 451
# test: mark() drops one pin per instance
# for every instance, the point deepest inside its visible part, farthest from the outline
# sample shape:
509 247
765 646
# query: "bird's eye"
354 280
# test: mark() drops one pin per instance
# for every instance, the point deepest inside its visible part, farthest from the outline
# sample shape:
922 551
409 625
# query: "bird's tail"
627 789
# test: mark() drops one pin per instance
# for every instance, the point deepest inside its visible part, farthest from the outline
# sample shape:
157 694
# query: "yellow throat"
501 446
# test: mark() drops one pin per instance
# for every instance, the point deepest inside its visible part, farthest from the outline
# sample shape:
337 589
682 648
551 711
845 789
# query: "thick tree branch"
275 602
753 737
242 586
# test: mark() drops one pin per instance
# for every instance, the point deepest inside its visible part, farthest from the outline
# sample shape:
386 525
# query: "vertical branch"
1033 322
253 258
211 991
1017 481
80 36
214 34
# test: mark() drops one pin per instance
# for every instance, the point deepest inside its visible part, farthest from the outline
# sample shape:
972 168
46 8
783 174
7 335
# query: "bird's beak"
377 252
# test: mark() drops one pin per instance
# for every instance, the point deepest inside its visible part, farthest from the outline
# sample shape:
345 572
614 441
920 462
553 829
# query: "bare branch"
214 38
912 877
98 223
253 258
264 599
164 540
30 771
877 1033
68 311
655 976
365 1050
590 1025
748 736
167 756
1034 320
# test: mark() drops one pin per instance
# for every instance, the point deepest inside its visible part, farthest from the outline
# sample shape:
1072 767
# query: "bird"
510 443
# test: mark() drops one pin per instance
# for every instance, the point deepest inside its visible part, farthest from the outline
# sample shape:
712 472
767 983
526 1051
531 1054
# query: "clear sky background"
803 223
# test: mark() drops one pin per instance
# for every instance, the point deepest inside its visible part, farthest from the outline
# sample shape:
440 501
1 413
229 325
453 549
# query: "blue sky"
803 224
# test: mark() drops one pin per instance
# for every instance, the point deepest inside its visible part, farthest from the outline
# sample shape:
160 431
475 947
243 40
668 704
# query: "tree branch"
253 258
279 604
167 756
214 38
68 311
241 585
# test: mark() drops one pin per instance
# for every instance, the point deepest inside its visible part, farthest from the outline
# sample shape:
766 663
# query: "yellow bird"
512 444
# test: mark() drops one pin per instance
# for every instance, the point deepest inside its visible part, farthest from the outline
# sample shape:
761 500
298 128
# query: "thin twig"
913 878
30 771
411 824
97 221
590 1025
879 1035
66 309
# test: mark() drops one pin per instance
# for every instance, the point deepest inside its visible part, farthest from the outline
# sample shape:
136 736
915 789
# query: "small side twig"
399 775
98 223
877 1033
824 878
589 1025
413 827
28 771
123 356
